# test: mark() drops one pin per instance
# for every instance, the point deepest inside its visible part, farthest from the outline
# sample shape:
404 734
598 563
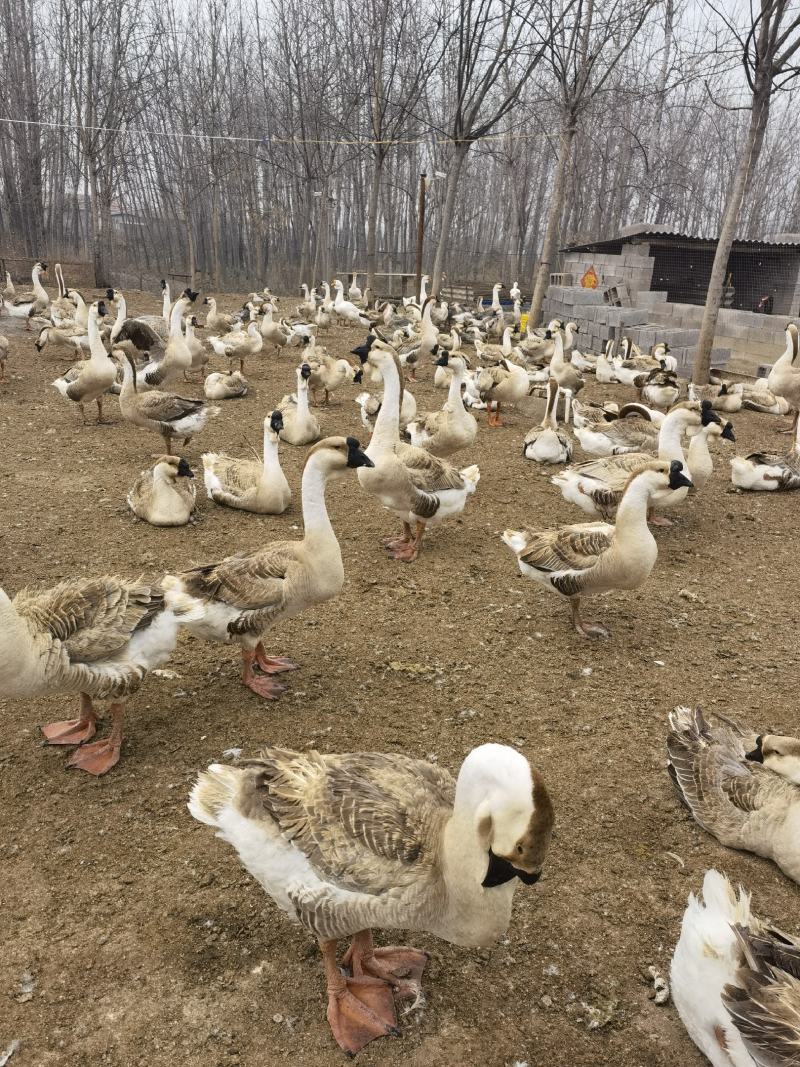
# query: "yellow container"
523 323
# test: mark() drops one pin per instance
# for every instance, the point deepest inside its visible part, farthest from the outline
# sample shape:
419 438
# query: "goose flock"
346 843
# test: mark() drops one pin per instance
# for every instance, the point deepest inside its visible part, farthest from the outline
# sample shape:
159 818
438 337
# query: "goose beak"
501 870
355 457
184 470
757 755
727 432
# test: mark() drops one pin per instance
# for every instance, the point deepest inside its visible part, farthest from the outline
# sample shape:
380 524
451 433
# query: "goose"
496 305
273 333
660 353
495 353
98 374
300 426
240 597
177 358
660 388
627 368
354 293
721 395
98 637
597 486
216 320
164 495
61 338
370 405
742 788
443 374
585 413
219 386
569 380
158 323
515 292
164 413
142 337
546 443
62 304
79 308
343 843
3 355
604 369
587 558
767 472
308 308
633 431
242 345
30 303
442 433
734 980
582 363
328 374
784 377
247 484
346 309
757 397
698 455
411 483
505 383
9 292
197 349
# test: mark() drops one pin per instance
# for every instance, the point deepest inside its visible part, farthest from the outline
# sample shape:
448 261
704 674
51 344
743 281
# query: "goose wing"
167 407
567 550
254 583
428 473
367 821
92 619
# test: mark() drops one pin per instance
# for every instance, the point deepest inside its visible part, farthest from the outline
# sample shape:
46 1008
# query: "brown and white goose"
784 378
97 374
345 843
165 413
239 598
594 557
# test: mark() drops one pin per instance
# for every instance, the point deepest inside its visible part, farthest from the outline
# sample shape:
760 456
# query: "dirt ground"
131 936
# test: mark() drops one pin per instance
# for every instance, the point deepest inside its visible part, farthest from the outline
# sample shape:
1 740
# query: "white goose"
345 309
344 843
247 484
546 443
28 304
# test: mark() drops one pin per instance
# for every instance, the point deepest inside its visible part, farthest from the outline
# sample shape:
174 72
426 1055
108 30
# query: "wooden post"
420 232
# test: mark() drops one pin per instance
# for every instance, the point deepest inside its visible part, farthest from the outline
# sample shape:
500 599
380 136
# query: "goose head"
780 754
170 468
274 423
338 455
502 804
41 340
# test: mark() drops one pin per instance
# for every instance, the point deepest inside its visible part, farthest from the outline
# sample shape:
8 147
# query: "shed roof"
642 231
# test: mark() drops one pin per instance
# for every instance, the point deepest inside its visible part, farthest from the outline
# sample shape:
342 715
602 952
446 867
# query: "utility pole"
423 182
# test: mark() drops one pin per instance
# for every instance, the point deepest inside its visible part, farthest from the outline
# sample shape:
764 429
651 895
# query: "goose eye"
519 849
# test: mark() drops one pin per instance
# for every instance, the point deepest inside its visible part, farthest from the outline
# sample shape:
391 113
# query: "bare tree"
585 52
769 56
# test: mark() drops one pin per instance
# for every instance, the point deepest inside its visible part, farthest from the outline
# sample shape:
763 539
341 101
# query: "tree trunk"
372 217
456 163
748 160
541 277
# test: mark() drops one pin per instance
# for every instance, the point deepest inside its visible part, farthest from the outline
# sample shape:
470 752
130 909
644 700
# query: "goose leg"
793 427
409 552
658 520
167 444
101 756
272 664
360 1009
73 731
401 967
261 684
395 542
585 629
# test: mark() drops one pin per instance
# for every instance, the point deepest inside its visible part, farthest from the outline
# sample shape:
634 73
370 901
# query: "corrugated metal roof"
644 230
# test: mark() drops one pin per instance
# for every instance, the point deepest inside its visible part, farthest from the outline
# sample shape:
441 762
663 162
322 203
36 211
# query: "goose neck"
387 425
316 521
632 512
669 437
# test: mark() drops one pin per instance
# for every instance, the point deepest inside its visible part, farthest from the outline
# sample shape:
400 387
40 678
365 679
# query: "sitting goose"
98 637
242 596
220 386
757 397
742 788
593 557
300 426
164 495
98 373
343 843
766 471
660 388
722 395
633 431
370 406
698 455
414 485
734 981
165 413
546 443
247 484
442 433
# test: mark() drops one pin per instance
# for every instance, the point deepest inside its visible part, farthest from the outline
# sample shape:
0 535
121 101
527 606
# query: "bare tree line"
286 140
